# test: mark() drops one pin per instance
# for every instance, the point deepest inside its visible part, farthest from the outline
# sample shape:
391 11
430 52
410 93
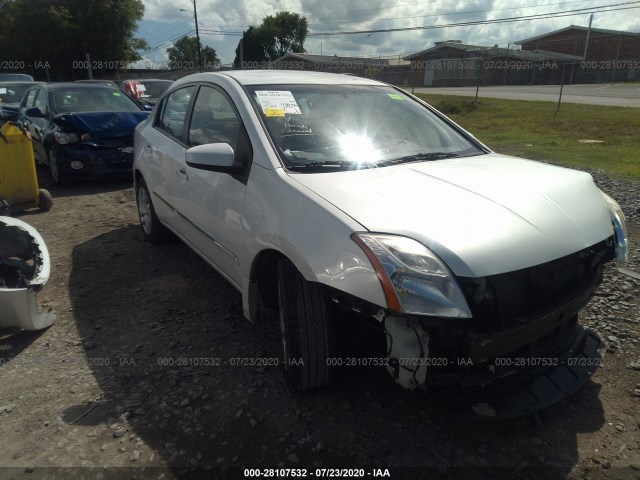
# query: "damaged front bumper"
24 269
523 349
510 384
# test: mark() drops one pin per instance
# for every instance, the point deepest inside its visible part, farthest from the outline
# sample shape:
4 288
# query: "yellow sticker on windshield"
274 112
395 96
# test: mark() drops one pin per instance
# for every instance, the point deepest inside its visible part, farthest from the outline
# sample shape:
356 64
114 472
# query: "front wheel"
153 230
306 330
55 168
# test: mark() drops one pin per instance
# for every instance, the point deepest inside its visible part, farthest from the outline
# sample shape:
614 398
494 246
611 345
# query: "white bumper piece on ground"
24 269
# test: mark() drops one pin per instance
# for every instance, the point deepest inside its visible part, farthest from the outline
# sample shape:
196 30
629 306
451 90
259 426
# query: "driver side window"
42 102
215 120
174 112
30 98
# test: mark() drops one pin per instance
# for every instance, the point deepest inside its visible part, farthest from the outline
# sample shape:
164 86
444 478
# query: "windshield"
328 127
92 100
13 93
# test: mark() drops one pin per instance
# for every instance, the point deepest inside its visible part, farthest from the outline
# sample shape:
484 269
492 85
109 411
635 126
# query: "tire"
153 230
306 330
45 201
57 175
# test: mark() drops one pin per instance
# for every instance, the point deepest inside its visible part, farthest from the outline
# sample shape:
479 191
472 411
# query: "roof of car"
275 77
153 80
20 82
94 81
73 85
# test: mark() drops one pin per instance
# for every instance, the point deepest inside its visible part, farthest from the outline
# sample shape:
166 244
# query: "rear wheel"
306 329
153 230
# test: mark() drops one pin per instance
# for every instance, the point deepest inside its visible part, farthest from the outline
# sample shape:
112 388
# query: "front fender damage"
24 269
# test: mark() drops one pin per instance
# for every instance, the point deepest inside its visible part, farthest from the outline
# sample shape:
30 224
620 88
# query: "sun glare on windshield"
358 148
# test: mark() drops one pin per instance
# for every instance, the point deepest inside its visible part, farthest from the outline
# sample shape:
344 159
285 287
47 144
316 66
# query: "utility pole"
586 43
195 14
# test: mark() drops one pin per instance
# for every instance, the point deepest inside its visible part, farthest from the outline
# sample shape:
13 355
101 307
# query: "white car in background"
311 192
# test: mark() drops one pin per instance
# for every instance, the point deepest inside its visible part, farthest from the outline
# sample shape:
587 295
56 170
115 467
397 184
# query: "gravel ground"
126 383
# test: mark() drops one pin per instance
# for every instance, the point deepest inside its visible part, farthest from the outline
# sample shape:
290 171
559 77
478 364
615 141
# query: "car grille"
117 141
502 301
117 157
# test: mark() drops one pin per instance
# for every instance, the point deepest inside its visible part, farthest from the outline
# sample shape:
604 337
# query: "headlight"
64 138
619 227
413 278
85 137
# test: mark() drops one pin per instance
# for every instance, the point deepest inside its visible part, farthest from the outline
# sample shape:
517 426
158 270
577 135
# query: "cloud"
164 21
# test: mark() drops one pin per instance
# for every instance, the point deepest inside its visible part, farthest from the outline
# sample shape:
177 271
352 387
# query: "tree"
58 35
276 36
252 49
184 54
284 33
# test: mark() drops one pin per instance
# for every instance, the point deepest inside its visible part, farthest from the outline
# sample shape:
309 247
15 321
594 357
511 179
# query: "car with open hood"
81 130
316 193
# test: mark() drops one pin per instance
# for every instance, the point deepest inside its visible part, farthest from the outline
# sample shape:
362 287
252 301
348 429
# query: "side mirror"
214 157
34 112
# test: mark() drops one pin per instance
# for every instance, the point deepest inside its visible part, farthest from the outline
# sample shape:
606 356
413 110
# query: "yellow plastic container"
18 178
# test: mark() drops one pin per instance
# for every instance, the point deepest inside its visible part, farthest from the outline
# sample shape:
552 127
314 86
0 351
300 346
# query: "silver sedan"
313 193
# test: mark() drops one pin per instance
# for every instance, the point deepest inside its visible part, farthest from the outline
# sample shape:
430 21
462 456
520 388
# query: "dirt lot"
126 384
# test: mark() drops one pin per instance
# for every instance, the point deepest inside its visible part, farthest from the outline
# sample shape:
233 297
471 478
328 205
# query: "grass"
529 129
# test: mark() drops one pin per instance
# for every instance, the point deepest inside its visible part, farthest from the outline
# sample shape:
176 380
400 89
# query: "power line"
168 43
540 16
311 14
163 42
451 13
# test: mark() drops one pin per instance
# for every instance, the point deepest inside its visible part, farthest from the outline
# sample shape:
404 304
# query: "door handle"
147 147
182 172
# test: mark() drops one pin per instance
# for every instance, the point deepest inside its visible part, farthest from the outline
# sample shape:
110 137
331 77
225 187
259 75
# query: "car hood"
482 215
101 121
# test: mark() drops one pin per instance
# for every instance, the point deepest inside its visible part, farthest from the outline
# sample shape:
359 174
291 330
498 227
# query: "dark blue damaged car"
81 131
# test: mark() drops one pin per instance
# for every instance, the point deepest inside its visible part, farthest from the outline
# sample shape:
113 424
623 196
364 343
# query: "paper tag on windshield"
278 103
3 91
274 112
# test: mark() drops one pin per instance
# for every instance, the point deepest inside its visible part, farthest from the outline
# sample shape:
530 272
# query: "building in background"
454 64
608 56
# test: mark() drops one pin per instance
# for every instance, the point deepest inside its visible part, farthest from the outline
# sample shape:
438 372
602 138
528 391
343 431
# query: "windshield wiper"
419 157
344 164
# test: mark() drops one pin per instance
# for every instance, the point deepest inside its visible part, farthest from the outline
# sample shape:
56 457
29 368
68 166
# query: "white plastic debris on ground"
24 269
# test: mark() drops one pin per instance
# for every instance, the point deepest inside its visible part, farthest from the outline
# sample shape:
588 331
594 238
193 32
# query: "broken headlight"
620 228
414 279
65 138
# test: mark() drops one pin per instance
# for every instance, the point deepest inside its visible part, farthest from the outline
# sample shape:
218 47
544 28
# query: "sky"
221 22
